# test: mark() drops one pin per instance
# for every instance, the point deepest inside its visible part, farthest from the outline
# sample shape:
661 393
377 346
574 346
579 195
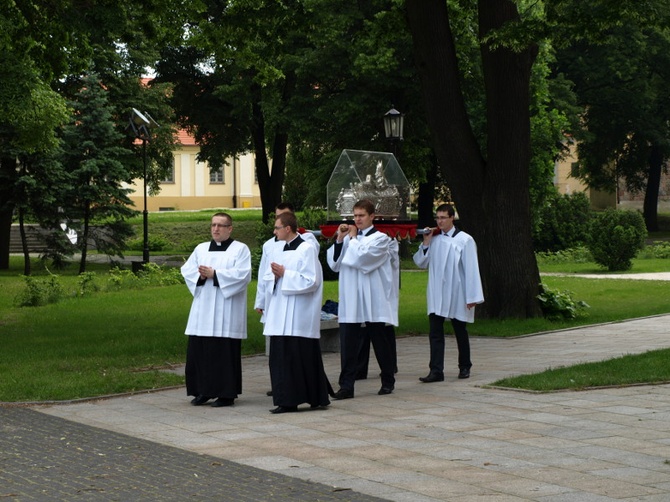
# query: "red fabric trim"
394 230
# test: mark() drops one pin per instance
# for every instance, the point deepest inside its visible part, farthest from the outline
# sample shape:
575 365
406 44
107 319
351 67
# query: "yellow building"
192 185
567 183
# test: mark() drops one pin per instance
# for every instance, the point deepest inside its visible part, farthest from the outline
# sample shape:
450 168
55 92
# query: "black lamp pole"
141 124
394 123
145 214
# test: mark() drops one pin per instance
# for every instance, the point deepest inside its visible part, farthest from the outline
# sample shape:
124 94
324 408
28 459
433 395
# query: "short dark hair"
288 220
366 205
224 215
285 205
446 208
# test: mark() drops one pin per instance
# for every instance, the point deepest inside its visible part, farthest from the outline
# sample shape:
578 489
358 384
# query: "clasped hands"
277 269
206 272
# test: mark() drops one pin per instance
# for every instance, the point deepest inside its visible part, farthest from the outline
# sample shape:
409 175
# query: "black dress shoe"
284 409
268 393
385 390
199 400
223 401
464 373
343 394
432 377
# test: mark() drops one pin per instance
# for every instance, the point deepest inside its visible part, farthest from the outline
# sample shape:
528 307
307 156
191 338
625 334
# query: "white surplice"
367 288
294 307
266 278
453 276
219 311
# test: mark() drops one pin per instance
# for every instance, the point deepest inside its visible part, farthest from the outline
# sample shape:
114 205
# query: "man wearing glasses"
217 274
454 288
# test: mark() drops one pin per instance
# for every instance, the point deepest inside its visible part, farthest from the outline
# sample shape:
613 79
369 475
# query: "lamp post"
394 123
141 124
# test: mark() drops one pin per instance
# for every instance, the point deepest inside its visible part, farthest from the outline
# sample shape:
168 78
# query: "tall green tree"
490 183
317 75
93 157
621 75
43 44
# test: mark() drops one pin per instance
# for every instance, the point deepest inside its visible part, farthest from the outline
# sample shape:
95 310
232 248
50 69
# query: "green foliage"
657 249
616 238
558 305
155 243
43 291
562 223
311 218
39 291
579 254
151 274
87 285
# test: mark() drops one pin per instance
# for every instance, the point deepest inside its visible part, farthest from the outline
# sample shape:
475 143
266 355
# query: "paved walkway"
452 441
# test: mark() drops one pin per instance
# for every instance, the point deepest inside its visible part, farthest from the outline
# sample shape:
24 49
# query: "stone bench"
330 337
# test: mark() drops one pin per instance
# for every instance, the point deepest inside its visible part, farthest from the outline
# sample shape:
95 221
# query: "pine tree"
94 157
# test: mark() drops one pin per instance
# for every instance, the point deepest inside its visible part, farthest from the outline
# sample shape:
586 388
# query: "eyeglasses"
279 228
221 225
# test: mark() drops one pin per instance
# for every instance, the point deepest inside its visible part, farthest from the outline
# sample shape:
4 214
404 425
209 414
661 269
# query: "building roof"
183 137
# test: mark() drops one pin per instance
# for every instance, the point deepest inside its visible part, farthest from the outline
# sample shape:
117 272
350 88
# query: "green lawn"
111 342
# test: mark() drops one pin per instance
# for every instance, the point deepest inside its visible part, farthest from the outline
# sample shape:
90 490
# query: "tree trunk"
24 245
492 197
650 206
84 238
7 179
5 233
270 184
425 215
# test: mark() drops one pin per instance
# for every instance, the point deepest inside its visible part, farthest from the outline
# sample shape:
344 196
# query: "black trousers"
352 338
436 338
364 355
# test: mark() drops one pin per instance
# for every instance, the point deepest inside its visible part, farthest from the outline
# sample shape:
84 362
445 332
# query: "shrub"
562 223
657 249
150 275
39 291
579 254
557 305
155 243
616 238
86 284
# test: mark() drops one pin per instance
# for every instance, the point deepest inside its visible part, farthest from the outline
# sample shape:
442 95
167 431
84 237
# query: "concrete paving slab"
450 441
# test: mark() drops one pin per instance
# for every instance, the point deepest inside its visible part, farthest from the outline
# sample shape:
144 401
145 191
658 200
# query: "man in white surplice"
454 288
266 279
367 295
293 322
217 274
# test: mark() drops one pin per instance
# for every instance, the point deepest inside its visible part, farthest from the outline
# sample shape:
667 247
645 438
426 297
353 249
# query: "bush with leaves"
154 243
151 274
557 305
580 254
616 238
657 249
563 222
40 292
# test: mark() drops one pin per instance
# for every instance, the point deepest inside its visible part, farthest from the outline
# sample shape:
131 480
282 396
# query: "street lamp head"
138 118
393 125
141 123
